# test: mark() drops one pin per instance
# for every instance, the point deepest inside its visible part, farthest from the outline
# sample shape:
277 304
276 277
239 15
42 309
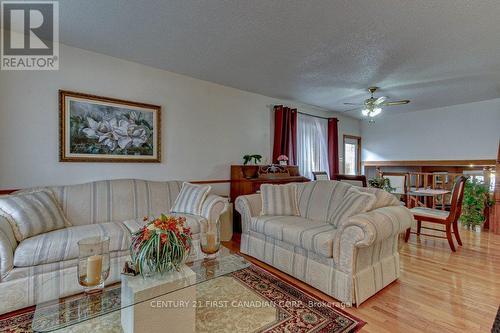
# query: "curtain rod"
312 115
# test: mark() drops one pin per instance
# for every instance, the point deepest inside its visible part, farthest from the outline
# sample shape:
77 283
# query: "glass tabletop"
427 192
133 291
423 192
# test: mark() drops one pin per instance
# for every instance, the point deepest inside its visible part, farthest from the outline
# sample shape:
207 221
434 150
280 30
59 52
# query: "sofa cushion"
190 199
196 223
332 201
354 202
318 199
60 245
315 236
279 200
383 198
32 213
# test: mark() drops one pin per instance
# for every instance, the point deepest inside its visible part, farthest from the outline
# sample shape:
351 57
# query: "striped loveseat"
350 260
42 267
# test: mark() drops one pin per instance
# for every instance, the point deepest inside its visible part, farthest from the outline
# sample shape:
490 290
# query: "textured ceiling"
324 53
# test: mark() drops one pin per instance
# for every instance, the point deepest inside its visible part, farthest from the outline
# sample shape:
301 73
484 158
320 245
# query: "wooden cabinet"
241 185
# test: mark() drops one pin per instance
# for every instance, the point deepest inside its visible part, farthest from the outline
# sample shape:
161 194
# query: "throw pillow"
32 213
354 202
279 200
190 199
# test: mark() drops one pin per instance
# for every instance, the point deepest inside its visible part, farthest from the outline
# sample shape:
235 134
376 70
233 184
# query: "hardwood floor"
438 291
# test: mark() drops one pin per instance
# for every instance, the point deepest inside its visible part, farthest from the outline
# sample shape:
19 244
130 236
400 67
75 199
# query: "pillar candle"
211 244
94 269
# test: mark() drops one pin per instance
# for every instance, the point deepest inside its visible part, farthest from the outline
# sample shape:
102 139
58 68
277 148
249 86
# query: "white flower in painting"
138 134
114 133
134 116
130 134
94 129
108 140
103 131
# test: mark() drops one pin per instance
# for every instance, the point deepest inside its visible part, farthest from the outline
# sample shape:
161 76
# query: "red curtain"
285 134
333 147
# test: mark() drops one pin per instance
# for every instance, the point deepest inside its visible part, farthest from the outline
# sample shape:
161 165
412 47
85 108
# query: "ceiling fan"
373 106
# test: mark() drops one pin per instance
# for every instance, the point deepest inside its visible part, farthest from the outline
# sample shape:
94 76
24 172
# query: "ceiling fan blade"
406 101
349 110
353 104
380 100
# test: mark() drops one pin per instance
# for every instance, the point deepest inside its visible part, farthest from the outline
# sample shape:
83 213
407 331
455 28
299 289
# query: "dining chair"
398 181
351 179
320 175
448 219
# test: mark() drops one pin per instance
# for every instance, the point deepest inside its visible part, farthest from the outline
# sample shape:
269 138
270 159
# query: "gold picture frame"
103 129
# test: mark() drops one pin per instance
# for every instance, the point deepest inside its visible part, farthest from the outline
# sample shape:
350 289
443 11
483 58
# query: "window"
352 155
479 175
312 145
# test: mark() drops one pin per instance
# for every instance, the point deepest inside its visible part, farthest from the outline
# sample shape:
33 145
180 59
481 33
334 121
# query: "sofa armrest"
8 244
364 230
248 206
214 206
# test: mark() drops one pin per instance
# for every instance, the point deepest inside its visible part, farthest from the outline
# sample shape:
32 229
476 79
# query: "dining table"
415 194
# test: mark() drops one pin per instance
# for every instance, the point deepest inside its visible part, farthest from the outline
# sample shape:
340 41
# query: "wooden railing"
428 180
446 181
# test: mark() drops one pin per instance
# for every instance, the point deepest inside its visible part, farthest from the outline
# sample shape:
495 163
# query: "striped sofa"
349 261
43 267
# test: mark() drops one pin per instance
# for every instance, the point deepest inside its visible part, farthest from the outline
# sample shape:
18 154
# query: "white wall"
460 132
206 127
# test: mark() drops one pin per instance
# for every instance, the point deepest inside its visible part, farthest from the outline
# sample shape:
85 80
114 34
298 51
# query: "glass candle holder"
210 240
93 263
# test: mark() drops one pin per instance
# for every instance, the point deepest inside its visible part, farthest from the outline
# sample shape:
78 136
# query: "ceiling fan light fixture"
372 106
376 112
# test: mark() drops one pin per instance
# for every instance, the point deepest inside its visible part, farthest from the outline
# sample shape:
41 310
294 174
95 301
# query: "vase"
210 240
93 263
250 171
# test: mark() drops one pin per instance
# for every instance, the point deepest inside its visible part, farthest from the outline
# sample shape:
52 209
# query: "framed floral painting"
101 129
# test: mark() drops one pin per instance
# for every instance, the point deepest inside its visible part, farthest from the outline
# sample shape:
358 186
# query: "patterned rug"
250 300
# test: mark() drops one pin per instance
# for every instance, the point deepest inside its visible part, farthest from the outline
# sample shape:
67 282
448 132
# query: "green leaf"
476 198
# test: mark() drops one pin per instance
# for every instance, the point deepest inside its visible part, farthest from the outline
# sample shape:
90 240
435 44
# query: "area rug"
250 300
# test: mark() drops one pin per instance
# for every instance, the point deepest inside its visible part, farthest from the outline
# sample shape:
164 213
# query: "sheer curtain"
312 145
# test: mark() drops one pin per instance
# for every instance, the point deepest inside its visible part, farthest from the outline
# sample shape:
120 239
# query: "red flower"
163 238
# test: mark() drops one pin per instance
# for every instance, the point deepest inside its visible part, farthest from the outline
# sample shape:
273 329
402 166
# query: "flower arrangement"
162 245
283 160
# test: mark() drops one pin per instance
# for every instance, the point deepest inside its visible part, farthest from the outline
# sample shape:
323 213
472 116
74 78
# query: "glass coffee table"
136 304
